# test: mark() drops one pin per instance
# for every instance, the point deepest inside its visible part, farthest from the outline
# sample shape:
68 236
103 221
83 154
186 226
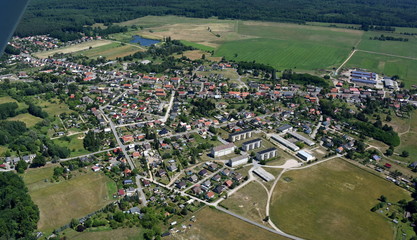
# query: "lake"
144 41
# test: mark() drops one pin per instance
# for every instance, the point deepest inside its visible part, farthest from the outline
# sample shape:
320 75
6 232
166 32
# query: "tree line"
71 16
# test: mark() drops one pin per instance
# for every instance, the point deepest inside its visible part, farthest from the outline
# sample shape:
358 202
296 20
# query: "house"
197 190
172 167
128 181
223 150
181 185
95 168
134 210
228 183
216 178
207 184
236 161
252 144
238 177
121 192
266 154
130 191
193 178
225 172
285 128
219 189
212 167
203 172
376 157
210 195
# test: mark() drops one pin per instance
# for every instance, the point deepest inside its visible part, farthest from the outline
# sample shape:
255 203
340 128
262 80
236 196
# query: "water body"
144 41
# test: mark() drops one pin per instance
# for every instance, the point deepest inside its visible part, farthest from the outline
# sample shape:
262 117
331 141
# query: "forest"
65 17
18 214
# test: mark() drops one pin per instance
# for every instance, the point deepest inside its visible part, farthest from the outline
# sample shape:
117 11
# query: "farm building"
223 150
285 142
266 154
302 138
242 135
238 161
305 155
252 144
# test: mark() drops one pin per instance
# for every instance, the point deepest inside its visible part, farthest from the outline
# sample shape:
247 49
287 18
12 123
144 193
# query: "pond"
144 41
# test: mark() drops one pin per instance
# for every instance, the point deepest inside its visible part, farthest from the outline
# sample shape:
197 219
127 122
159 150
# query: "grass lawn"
213 224
110 51
249 201
405 68
27 118
76 145
121 233
333 200
60 202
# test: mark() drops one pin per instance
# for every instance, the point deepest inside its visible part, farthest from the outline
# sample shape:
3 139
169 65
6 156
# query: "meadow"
59 202
27 118
121 233
333 200
406 69
75 145
73 48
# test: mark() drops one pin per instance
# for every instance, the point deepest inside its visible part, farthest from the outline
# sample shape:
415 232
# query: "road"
347 60
313 135
86 155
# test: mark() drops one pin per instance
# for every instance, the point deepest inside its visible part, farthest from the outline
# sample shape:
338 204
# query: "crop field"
333 200
73 48
249 201
27 118
110 51
405 68
60 202
212 224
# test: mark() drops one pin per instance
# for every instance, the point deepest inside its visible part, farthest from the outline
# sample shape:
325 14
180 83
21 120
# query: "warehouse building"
302 138
285 142
305 155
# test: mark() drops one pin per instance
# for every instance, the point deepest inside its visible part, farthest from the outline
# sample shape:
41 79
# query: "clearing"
59 202
75 145
333 199
27 118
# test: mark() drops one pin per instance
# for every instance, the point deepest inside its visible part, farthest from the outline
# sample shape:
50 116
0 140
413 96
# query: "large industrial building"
285 142
361 77
302 138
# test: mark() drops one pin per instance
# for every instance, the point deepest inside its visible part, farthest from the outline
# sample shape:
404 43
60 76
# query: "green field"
211 224
110 51
405 68
8 99
333 200
53 107
60 202
76 145
407 49
27 118
197 46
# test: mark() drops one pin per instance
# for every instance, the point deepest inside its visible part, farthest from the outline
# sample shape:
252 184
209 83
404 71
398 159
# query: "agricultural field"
332 200
59 202
249 201
111 51
75 144
219 226
121 233
73 48
27 118
406 69
406 49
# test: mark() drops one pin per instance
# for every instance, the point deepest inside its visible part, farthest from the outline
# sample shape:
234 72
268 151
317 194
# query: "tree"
404 154
382 198
119 217
21 166
92 141
74 223
38 161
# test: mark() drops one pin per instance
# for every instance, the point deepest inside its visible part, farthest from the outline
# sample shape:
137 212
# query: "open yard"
73 48
212 224
249 201
405 68
111 51
27 118
333 200
60 202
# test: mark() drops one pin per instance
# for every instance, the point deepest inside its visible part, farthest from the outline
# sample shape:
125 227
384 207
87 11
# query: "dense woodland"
46 16
18 214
